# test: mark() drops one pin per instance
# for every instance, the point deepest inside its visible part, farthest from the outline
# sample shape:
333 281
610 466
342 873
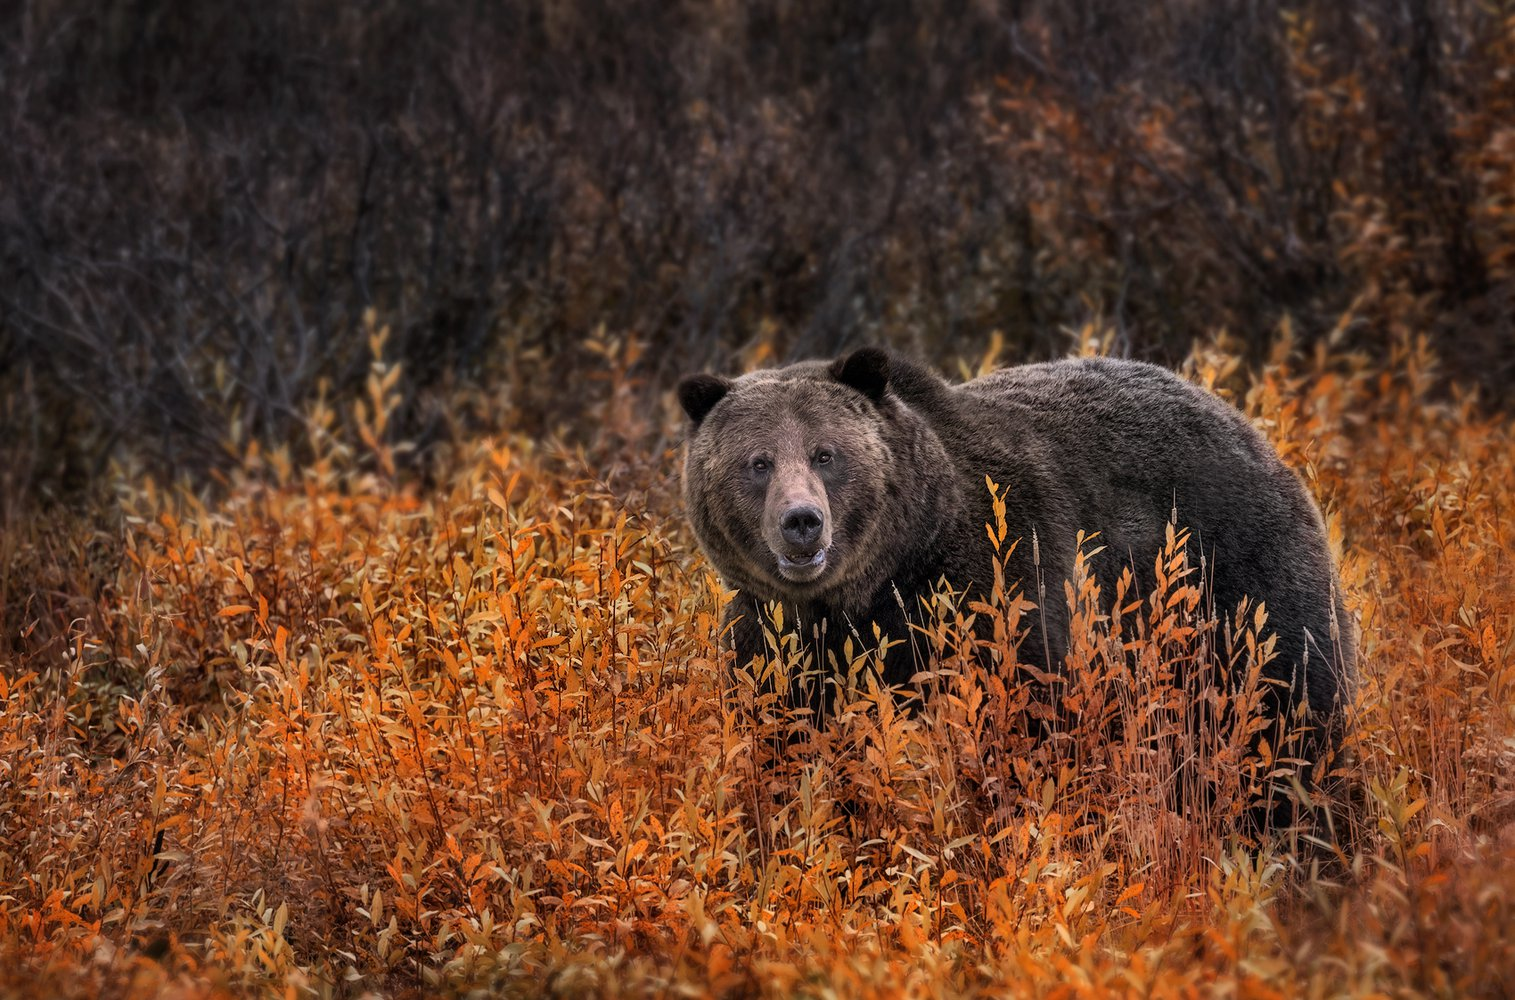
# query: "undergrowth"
338 733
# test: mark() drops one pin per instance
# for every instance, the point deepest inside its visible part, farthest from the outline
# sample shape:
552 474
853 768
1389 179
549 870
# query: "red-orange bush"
338 733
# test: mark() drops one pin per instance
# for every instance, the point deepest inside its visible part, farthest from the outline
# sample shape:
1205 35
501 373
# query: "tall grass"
344 732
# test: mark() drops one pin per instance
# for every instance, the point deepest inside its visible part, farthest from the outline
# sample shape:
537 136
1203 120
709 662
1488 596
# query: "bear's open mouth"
802 569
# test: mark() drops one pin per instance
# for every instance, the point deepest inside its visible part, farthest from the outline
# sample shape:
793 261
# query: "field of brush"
337 732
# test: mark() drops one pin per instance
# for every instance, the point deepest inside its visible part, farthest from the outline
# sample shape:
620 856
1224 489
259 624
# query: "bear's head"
797 479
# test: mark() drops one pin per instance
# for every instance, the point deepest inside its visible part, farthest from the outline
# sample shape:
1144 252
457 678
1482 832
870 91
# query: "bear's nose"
801 526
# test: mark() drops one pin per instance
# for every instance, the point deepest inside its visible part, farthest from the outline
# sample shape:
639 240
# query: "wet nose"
801 526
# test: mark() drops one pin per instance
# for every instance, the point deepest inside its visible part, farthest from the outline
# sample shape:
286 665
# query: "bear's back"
1111 403
1128 442
1116 431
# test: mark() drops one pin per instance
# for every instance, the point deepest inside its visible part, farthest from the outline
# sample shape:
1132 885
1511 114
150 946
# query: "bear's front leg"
803 656
887 627
743 629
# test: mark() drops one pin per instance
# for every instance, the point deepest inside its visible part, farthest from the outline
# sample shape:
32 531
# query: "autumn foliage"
352 641
339 732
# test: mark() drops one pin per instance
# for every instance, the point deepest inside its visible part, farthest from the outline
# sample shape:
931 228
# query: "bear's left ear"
866 370
698 394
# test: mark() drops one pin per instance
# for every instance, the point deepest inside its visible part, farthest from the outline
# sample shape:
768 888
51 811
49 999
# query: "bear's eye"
823 457
760 465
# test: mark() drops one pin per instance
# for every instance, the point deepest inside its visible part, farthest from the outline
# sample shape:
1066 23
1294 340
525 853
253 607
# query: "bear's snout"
801 526
798 529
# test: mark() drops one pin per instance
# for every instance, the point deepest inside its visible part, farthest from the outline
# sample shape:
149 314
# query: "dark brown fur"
1096 444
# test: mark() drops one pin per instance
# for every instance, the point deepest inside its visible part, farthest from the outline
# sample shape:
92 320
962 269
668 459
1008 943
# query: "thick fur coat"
848 490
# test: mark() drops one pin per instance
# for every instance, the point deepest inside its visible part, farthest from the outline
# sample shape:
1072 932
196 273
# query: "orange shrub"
337 733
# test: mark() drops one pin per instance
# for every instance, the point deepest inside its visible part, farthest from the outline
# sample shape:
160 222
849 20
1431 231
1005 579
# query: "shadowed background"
198 202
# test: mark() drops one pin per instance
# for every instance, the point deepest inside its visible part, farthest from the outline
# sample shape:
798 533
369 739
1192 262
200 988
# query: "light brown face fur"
795 466
788 444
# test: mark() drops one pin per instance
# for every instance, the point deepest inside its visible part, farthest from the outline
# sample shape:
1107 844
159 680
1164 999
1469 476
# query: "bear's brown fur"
878 464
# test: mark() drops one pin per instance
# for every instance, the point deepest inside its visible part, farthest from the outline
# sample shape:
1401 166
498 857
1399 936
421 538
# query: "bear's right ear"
698 394
866 370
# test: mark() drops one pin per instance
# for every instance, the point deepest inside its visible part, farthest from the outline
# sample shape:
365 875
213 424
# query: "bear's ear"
698 394
866 370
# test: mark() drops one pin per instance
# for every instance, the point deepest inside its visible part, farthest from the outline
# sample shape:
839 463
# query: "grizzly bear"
848 490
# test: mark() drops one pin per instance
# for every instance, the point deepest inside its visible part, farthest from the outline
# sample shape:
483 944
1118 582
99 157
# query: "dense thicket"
199 201
328 734
415 688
